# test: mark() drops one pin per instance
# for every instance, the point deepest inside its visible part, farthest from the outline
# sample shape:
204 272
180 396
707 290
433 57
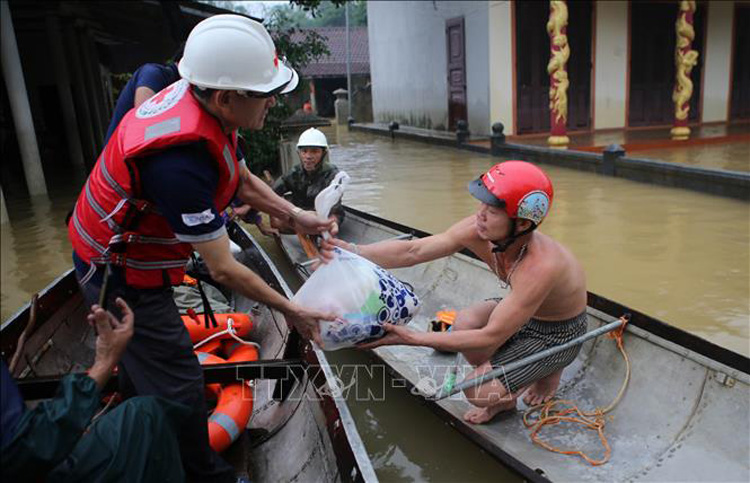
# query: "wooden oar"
445 392
285 369
26 333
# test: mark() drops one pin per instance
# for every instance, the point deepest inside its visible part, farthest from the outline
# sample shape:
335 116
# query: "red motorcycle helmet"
524 190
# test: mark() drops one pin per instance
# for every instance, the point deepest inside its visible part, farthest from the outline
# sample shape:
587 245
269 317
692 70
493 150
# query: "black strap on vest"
207 310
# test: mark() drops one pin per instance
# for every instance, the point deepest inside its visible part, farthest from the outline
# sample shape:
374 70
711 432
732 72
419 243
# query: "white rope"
231 331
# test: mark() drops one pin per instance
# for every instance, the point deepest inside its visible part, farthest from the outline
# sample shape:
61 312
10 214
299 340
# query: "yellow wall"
501 65
611 64
717 60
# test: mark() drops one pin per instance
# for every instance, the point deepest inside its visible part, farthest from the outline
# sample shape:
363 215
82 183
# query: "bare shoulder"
547 259
551 279
464 231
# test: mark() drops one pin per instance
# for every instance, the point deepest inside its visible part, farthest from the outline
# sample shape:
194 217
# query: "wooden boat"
309 436
684 415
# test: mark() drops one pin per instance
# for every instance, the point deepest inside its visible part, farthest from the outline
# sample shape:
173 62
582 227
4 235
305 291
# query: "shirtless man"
545 307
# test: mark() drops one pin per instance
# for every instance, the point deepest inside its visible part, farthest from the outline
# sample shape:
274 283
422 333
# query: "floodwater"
680 256
734 156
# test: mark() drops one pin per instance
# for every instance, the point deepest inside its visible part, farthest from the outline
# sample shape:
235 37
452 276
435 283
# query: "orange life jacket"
112 222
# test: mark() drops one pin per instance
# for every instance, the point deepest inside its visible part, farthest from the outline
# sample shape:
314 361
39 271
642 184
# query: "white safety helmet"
312 138
232 52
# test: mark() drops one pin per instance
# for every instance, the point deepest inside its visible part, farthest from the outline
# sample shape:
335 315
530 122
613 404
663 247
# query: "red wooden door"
580 31
532 56
454 36
652 69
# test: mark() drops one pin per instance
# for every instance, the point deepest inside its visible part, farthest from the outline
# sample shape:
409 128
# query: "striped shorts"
534 337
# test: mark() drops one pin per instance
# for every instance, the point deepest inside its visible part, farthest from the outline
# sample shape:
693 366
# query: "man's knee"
474 317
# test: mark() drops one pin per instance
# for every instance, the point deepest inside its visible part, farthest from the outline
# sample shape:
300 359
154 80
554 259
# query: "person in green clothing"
305 180
61 440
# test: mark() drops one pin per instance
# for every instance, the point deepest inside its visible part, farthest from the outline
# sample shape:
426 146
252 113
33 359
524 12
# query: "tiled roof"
334 65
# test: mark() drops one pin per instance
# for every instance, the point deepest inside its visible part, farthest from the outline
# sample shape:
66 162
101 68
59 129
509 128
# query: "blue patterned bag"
365 295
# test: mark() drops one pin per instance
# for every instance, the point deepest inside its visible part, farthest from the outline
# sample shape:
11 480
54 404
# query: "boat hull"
309 436
684 415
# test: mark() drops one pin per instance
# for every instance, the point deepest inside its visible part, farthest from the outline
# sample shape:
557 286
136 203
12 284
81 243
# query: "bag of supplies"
363 294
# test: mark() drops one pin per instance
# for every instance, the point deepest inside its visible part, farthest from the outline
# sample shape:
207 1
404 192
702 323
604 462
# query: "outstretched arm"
405 253
227 271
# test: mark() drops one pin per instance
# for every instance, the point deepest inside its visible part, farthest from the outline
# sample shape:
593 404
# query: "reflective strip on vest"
85 236
114 184
229 161
226 423
202 356
99 210
156 265
133 237
163 128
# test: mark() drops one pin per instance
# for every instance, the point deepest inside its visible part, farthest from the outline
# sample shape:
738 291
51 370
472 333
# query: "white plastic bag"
330 195
365 295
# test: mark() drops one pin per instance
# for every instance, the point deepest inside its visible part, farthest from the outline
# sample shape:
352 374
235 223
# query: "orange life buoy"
196 326
235 401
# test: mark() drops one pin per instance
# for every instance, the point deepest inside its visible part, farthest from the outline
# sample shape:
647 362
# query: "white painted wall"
610 74
717 59
408 61
501 65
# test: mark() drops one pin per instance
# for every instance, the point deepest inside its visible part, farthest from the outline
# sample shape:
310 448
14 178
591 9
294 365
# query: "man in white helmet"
155 195
308 178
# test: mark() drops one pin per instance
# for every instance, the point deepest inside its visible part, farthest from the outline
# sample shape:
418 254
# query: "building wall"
717 61
501 87
408 62
610 68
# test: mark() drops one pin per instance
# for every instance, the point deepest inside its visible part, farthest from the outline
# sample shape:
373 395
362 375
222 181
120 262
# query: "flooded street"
680 256
677 255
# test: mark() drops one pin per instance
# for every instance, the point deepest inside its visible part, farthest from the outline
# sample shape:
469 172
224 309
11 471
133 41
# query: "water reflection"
405 440
35 247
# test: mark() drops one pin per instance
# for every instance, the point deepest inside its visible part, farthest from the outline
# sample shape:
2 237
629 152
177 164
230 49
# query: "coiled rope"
558 410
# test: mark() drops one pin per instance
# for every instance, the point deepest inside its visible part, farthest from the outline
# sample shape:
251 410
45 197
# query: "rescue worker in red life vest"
155 195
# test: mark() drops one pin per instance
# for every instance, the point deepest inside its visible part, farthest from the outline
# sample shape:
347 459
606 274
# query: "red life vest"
112 222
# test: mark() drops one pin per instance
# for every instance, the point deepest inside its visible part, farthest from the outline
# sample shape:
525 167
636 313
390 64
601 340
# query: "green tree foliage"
264 144
325 14
282 23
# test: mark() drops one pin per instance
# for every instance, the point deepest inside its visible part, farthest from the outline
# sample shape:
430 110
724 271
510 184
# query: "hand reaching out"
112 338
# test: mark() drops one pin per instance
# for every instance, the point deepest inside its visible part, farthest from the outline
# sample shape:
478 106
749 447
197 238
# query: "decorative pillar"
685 59
558 81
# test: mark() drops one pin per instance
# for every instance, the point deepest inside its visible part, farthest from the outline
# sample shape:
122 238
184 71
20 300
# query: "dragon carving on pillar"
685 59
558 85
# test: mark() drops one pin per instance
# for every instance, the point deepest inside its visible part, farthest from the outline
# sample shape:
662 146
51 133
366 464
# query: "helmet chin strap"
502 245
